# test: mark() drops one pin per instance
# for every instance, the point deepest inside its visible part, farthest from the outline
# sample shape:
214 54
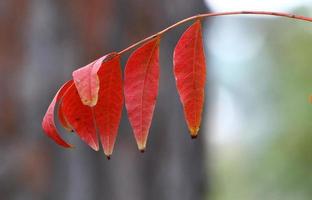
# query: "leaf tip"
194 136
94 146
194 132
90 102
68 130
142 147
108 153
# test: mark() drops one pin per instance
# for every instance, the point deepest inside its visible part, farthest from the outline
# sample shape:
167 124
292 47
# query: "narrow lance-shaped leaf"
190 75
109 106
141 89
48 123
80 117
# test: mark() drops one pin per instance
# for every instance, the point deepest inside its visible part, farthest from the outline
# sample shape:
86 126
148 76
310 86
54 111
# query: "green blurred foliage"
277 164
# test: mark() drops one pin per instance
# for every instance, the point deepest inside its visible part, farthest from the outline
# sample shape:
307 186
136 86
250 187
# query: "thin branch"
206 15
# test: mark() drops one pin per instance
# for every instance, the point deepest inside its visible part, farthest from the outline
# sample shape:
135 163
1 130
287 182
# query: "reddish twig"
278 14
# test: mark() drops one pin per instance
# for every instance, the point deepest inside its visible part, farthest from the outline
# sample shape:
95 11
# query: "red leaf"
87 81
80 117
109 107
190 75
48 123
141 88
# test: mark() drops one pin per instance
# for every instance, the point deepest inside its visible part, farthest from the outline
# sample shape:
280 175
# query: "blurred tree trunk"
60 36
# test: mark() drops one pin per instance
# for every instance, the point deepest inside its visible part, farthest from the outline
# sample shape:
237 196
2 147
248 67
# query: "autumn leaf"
92 102
141 89
105 116
87 81
109 106
80 117
48 123
85 120
190 75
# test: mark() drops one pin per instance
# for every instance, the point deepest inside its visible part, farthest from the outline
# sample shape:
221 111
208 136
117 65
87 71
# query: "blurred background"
256 135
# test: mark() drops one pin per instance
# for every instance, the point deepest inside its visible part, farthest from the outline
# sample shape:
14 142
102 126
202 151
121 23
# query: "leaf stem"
199 16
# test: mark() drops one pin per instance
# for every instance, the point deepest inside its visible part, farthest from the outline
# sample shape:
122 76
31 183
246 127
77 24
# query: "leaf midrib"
144 85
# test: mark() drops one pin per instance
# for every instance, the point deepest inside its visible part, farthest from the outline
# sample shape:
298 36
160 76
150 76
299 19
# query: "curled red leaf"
141 88
87 81
105 116
190 75
48 123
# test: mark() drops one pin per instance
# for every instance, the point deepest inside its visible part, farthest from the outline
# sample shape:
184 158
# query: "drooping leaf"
141 89
87 81
48 123
109 107
190 75
80 117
